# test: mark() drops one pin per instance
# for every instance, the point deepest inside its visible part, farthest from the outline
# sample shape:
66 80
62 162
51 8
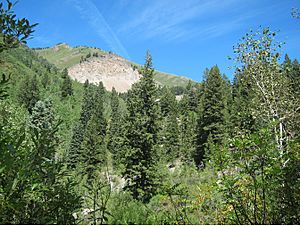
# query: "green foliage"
213 113
74 153
252 175
66 88
13 31
55 167
141 136
3 87
29 93
116 131
93 151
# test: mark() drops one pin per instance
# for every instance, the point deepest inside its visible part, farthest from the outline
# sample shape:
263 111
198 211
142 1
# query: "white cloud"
176 19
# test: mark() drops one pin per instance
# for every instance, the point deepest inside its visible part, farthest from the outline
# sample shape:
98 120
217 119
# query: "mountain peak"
61 45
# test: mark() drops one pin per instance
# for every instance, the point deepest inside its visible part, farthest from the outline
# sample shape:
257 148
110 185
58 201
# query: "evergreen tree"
170 136
29 92
192 96
98 108
243 100
213 113
292 71
74 152
187 128
116 130
168 102
45 80
170 132
141 135
66 88
93 147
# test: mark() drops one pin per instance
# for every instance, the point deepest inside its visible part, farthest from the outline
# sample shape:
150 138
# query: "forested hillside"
225 153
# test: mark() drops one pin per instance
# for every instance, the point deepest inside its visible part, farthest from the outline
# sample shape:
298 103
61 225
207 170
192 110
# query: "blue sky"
184 36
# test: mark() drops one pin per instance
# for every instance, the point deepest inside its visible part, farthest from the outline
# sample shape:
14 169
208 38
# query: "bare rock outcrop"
112 70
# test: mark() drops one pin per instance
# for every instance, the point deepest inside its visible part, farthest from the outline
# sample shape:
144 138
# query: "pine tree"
169 134
213 113
292 71
187 128
192 96
167 101
98 108
74 152
242 121
116 130
29 92
141 135
66 88
93 150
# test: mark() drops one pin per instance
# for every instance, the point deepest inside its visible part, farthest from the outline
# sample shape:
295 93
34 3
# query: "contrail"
93 16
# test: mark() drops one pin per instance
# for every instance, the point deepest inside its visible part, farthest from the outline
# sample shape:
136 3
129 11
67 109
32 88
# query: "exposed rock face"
111 69
61 46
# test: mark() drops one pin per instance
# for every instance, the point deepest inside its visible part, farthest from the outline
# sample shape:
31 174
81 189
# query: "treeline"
225 153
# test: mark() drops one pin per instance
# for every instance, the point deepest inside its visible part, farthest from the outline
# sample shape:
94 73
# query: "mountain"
97 65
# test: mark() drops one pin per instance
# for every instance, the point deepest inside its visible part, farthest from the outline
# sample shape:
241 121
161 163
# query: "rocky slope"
97 65
112 70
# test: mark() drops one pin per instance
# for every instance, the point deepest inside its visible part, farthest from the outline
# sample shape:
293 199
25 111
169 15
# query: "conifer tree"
93 150
240 110
66 88
292 71
29 92
141 135
98 108
167 101
116 130
187 128
192 96
213 112
169 134
79 129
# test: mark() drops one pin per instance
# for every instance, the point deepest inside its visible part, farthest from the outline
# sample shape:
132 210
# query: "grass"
64 56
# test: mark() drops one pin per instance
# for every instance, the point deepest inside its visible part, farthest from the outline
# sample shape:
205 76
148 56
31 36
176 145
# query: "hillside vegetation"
64 56
76 153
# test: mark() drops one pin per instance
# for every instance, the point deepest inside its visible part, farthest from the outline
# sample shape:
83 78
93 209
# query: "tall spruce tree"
141 135
242 121
213 113
93 150
116 130
169 134
66 88
73 155
187 128
167 102
292 71
29 92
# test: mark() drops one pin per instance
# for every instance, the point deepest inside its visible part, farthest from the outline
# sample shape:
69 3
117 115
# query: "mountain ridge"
80 59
